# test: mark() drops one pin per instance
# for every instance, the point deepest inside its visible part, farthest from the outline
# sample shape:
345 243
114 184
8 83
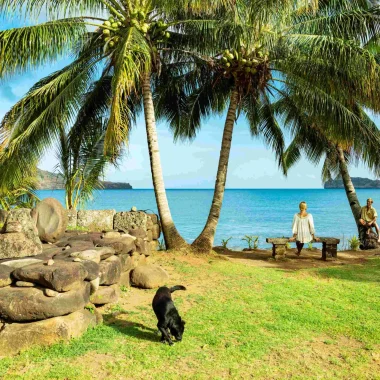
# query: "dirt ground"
307 259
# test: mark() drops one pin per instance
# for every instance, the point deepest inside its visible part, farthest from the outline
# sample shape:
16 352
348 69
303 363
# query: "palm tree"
321 144
314 51
126 46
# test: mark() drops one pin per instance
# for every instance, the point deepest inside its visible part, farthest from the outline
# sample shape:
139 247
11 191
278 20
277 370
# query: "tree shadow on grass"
132 329
368 272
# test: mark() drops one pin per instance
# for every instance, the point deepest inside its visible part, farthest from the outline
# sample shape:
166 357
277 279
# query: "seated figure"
368 216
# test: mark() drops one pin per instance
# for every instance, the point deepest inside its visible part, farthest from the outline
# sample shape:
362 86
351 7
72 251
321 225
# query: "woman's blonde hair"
303 205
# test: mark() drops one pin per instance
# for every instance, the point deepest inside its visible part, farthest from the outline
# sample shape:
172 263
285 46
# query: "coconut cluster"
241 62
159 31
109 31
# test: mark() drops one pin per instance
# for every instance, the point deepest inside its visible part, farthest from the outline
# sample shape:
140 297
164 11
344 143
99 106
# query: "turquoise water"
266 213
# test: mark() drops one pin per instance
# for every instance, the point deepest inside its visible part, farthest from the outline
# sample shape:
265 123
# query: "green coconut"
111 44
230 56
115 25
140 15
224 59
106 23
106 32
228 64
167 35
111 20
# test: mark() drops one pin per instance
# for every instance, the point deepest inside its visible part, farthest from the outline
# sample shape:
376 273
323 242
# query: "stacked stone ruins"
53 279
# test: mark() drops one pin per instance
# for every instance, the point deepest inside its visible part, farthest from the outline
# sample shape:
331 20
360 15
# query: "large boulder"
20 237
15 337
62 276
125 221
110 270
31 304
154 218
96 220
5 275
19 263
121 245
104 294
149 276
17 244
51 219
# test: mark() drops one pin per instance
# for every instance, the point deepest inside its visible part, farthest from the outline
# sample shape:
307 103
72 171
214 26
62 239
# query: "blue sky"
185 165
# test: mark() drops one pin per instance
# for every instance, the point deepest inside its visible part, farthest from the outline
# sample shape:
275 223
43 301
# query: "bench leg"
279 249
324 252
332 250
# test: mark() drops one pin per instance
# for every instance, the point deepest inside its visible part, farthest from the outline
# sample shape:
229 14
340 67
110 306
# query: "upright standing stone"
96 220
20 237
51 219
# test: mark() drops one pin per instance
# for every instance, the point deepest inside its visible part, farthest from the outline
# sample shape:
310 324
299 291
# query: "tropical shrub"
252 240
225 242
354 243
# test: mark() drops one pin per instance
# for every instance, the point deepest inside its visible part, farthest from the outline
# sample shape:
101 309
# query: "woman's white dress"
303 227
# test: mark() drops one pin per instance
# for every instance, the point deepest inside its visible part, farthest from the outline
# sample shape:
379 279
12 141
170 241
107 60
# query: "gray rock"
149 235
90 237
133 208
51 219
104 295
127 262
90 254
153 245
122 245
149 223
96 220
94 285
62 276
72 218
110 270
105 252
127 220
25 284
111 235
125 279
143 246
16 337
137 232
31 304
24 217
19 263
154 218
156 232
5 275
92 269
18 245
149 276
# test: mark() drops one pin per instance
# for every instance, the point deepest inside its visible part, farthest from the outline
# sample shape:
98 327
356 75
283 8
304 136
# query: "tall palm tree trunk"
204 242
173 239
349 186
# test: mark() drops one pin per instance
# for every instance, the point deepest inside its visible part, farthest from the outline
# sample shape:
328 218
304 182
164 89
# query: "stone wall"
52 294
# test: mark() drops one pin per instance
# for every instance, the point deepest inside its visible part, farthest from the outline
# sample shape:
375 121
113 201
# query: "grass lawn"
242 321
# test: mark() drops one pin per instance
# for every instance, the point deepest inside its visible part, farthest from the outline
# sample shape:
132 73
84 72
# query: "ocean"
260 212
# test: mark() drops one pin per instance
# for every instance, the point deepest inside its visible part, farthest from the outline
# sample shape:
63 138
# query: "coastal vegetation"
276 63
255 322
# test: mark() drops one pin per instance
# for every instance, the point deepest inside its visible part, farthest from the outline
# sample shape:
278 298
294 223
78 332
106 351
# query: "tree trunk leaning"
349 187
204 242
173 239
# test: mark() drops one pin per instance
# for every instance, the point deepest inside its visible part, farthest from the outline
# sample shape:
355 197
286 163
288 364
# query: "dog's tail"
177 287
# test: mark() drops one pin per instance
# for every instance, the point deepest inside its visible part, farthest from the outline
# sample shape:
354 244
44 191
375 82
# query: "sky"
185 164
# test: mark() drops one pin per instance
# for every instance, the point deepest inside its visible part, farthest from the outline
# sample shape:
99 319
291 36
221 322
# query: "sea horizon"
259 212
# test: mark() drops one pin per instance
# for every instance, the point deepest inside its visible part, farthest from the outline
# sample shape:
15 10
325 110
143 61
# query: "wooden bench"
329 246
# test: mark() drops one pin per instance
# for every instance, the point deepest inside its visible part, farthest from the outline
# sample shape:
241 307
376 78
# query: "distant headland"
52 181
358 182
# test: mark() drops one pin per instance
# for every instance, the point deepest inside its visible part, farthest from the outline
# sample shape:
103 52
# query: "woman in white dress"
303 228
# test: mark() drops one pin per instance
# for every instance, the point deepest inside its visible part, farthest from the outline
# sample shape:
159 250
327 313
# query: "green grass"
244 322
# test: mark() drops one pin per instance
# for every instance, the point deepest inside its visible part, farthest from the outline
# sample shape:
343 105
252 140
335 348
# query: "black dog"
167 314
